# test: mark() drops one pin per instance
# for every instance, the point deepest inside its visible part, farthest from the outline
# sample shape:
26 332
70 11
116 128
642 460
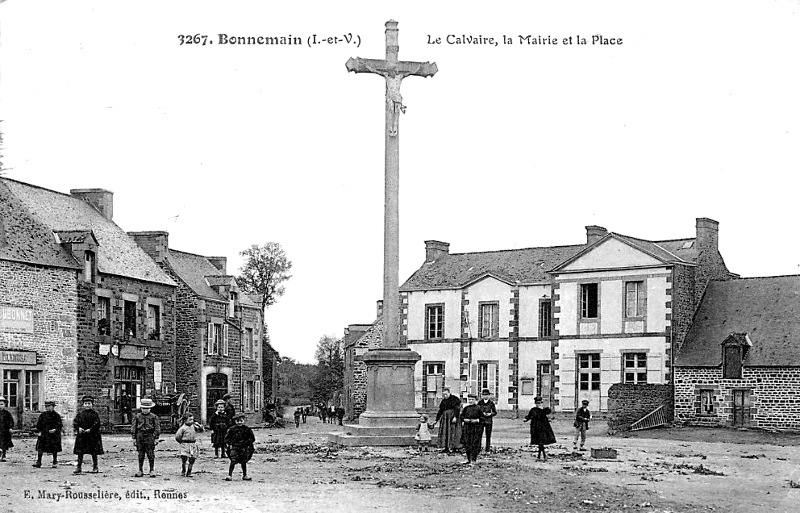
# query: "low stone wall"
629 403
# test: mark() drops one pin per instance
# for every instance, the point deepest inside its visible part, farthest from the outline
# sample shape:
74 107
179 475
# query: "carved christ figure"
394 101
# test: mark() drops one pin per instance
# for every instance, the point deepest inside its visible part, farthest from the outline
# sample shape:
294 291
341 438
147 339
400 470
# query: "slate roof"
766 309
117 253
201 275
666 250
355 332
25 238
529 265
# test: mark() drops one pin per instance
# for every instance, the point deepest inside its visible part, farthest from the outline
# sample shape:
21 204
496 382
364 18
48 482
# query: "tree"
265 268
295 380
329 377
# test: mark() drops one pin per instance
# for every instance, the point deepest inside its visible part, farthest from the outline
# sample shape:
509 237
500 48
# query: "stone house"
124 316
563 322
740 362
38 315
358 339
270 359
219 330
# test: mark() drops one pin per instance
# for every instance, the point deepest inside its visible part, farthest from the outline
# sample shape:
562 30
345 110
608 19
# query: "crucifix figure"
393 71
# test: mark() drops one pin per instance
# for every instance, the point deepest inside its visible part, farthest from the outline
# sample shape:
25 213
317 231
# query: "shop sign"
16 320
17 358
129 352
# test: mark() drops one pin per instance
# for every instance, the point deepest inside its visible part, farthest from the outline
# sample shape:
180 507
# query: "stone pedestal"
390 417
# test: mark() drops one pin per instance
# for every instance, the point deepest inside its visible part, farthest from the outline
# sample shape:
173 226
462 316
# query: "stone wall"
95 370
52 294
356 376
773 397
628 403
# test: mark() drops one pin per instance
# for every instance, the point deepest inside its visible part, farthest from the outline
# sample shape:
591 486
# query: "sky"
695 114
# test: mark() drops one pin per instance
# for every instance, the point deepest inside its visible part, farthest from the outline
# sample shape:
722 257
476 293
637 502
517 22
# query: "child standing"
87 434
541 432
186 436
145 431
49 427
6 423
240 440
423 436
582 418
219 427
472 415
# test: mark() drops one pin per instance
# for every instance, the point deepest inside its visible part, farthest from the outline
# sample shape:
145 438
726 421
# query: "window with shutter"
225 339
732 362
489 320
635 299
210 338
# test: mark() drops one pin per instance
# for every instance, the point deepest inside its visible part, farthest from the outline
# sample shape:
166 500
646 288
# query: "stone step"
376 440
358 430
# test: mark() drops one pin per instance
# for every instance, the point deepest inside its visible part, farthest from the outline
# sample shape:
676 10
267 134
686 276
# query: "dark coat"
219 426
449 431
451 403
90 441
487 407
125 404
145 429
472 430
541 431
230 412
6 424
49 442
582 416
240 440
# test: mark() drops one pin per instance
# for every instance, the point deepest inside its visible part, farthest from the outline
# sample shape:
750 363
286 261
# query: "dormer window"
232 303
732 362
89 266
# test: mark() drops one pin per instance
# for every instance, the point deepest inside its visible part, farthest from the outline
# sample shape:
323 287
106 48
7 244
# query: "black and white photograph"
399 256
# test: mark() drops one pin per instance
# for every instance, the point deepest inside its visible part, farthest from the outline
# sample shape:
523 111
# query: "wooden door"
741 407
545 383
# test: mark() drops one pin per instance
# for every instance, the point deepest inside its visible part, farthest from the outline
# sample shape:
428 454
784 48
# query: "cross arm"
382 67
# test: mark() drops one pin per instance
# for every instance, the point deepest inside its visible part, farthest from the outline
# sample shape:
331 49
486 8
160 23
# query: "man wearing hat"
230 411
472 415
87 434
219 424
582 416
145 431
240 440
48 427
6 423
489 411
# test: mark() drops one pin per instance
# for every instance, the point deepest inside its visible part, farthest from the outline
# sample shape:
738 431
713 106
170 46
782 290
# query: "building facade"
124 315
563 322
219 330
740 363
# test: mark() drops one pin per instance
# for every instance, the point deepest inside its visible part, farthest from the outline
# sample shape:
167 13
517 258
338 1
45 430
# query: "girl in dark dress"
240 440
49 427
541 432
450 425
472 415
87 434
6 423
219 424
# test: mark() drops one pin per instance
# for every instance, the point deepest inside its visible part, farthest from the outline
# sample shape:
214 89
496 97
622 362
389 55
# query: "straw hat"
147 403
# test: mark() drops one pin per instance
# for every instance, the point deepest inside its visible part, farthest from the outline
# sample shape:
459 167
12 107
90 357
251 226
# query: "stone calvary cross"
393 71
389 417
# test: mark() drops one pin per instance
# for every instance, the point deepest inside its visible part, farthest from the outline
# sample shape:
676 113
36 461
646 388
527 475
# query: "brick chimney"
380 308
221 263
595 233
707 234
155 244
100 199
434 250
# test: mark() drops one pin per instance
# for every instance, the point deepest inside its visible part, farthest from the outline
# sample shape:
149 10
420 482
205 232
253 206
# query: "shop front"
21 382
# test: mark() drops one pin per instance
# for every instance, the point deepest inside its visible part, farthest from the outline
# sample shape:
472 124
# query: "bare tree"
265 268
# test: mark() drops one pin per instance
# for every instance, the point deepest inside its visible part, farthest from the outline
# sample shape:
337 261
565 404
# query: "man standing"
488 411
230 411
582 417
125 407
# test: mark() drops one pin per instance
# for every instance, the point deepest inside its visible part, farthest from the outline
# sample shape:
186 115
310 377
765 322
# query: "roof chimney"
595 233
707 234
380 308
434 250
220 262
101 199
155 244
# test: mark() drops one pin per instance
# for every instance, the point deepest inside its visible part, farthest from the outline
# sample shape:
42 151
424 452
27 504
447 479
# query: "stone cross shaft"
393 71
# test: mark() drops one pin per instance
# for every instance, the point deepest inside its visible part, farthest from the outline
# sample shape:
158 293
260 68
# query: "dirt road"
295 470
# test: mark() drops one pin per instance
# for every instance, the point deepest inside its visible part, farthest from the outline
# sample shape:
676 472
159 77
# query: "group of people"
230 434
464 428
329 414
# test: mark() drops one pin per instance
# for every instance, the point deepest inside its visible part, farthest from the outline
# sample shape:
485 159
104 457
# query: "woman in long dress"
449 422
541 431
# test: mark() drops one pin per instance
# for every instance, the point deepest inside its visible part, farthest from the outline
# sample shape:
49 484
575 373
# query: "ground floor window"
33 380
432 383
589 371
634 368
129 379
488 378
11 388
249 395
706 402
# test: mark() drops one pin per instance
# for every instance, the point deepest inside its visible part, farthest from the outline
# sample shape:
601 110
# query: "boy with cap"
145 431
219 424
87 434
472 415
582 417
489 410
240 440
48 427
6 423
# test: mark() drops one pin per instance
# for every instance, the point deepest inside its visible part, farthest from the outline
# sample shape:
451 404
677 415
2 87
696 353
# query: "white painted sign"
16 320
